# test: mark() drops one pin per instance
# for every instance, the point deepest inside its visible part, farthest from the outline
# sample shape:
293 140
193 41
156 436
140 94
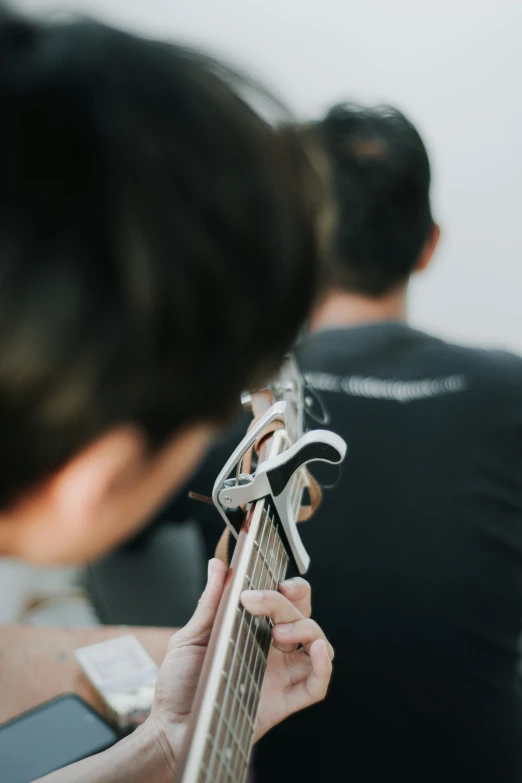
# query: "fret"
237 695
244 728
202 773
241 675
242 706
225 744
233 735
225 756
258 572
215 764
266 562
254 637
271 557
281 564
280 567
220 753
248 631
239 691
258 665
208 751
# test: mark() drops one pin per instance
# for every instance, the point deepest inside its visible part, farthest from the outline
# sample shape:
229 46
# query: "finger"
299 666
319 678
269 603
197 630
304 632
298 591
309 678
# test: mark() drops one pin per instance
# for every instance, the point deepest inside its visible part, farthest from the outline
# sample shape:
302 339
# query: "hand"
295 678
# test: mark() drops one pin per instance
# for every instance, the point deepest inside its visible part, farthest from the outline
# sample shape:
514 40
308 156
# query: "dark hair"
159 242
381 177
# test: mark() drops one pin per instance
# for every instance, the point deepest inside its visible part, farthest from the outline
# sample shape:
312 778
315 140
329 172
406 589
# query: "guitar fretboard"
230 729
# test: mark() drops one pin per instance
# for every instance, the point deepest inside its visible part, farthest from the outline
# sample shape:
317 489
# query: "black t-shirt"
416 563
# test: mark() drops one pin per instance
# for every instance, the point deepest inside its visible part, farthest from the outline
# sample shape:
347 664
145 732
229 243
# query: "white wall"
452 65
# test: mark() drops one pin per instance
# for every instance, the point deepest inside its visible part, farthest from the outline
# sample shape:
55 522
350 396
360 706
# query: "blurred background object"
28 593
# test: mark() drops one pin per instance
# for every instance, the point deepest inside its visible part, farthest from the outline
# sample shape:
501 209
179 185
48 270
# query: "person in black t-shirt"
417 552
419 547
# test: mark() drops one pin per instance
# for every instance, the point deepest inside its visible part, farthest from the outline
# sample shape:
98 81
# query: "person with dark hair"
382 178
417 553
160 246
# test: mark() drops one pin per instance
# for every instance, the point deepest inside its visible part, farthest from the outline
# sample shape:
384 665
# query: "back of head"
381 175
158 241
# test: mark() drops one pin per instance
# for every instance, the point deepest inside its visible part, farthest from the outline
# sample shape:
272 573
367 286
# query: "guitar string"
219 732
245 730
216 734
255 583
276 573
263 649
243 725
279 575
246 718
251 639
262 671
274 578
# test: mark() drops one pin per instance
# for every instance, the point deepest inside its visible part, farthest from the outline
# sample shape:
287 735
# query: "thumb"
197 630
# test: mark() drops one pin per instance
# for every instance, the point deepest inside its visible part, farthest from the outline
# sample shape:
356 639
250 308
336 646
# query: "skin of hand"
298 670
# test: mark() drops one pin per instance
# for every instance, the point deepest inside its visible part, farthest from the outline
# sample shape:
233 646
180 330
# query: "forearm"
143 756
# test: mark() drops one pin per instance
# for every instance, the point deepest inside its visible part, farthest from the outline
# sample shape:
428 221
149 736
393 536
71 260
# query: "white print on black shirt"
381 389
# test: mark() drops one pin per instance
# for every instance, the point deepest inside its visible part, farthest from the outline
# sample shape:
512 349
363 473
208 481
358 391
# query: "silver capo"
277 477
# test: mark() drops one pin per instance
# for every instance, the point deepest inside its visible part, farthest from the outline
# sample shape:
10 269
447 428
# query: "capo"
273 477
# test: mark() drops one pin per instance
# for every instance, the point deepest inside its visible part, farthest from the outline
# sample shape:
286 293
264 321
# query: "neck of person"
338 308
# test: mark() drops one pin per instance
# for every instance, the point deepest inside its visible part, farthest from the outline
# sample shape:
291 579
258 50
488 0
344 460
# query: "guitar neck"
219 741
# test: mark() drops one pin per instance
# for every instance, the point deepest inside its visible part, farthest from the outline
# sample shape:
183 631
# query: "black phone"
53 735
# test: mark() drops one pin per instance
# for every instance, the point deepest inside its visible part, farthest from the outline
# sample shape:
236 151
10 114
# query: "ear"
62 519
101 496
80 490
429 248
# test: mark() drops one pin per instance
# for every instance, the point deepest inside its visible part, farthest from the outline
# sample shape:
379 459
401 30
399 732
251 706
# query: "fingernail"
252 595
289 583
211 569
284 628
